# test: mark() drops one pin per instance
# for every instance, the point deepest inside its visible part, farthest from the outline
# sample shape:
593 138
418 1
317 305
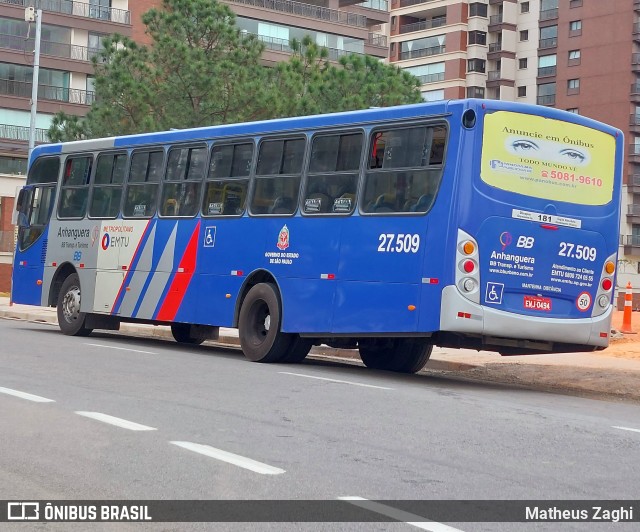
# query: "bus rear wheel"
259 325
298 350
181 334
70 320
403 355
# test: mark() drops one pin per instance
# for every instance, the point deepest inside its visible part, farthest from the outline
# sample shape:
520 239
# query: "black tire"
259 325
402 355
180 332
70 319
298 350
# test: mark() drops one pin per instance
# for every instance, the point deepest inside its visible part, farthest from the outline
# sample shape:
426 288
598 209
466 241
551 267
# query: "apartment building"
578 55
71 34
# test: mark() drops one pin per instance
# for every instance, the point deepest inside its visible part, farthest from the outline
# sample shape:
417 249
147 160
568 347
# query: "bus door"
34 206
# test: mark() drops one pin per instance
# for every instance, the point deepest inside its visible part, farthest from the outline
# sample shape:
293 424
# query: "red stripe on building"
180 283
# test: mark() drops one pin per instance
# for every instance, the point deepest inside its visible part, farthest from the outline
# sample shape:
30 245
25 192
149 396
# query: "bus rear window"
548 159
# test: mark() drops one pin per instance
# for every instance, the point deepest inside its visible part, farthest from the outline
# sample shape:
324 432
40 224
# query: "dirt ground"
629 345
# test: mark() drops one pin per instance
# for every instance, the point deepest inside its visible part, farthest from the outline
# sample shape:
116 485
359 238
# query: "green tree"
200 70
310 83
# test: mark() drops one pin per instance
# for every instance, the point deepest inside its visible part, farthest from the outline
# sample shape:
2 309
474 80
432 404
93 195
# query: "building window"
547 65
573 110
524 35
575 3
524 7
522 91
477 37
573 86
575 28
546 94
522 63
476 65
475 92
574 57
477 9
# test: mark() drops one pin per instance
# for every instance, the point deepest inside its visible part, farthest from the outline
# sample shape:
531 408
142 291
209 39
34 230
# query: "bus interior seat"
384 203
282 205
423 203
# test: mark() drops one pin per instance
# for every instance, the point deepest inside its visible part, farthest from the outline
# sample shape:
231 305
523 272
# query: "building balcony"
21 133
495 47
631 244
407 3
22 89
635 92
283 45
53 49
548 43
495 19
548 14
424 25
431 78
78 9
547 99
494 75
378 5
634 153
635 62
633 183
377 39
634 123
633 213
421 52
307 10
636 31
547 71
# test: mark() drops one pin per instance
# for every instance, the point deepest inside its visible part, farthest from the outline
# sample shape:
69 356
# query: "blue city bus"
469 224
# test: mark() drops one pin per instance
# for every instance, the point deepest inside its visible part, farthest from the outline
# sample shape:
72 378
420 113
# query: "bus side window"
181 191
75 187
142 187
333 174
410 174
107 185
232 164
278 175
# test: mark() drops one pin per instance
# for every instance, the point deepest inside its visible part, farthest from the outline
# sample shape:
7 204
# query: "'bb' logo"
525 242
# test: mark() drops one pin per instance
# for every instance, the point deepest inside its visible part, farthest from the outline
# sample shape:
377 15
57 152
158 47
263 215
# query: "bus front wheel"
259 325
70 320
403 355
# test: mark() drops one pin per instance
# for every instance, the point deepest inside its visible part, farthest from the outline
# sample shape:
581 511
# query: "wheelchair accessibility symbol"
494 293
209 236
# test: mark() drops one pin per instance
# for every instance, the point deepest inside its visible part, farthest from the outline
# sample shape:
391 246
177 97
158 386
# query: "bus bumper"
459 315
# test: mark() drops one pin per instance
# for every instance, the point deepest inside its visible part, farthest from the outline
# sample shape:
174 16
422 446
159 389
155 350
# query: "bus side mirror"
19 215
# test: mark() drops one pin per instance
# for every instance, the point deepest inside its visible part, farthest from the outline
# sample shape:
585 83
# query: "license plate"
537 303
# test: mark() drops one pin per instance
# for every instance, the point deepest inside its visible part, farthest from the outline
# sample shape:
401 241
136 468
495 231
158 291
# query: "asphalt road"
319 430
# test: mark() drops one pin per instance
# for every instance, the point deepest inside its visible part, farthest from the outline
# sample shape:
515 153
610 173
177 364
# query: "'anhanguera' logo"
283 238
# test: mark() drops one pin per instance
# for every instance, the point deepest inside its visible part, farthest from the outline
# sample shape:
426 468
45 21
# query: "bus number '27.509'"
578 252
400 243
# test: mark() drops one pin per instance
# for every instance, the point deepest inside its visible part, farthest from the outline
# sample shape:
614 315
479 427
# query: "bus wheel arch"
63 271
259 325
254 278
70 319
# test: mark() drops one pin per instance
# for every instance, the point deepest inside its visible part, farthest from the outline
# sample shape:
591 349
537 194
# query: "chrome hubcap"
71 304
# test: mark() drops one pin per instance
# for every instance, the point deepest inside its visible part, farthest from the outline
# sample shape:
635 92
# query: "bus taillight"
468 266
607 284
609 267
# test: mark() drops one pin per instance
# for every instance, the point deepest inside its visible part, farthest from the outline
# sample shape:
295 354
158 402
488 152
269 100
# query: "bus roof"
272 126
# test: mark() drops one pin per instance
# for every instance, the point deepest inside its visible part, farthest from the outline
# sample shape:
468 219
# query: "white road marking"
235 459
335 380
627 428
27 396
118 422
399 515
122 349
